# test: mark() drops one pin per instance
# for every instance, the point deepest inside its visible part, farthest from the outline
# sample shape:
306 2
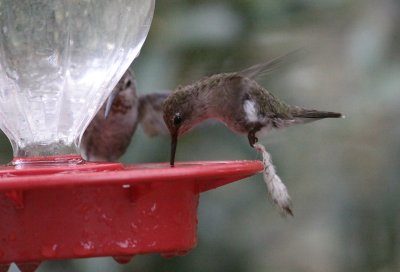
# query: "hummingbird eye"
177 119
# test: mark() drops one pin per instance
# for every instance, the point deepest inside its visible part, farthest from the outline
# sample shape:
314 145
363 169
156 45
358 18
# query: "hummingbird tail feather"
276 188
298 112
302 115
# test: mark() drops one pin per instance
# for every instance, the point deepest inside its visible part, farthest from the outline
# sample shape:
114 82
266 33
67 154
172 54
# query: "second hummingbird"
243 105
109 133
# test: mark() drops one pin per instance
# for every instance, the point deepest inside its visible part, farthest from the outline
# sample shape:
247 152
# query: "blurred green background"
343 175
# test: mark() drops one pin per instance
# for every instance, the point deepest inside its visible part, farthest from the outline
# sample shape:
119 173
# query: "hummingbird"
110 132
245 107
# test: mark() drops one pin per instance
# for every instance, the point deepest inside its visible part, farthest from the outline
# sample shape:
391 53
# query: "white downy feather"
250 110
276 188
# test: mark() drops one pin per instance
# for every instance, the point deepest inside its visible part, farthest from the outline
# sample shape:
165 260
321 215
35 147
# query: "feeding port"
59 61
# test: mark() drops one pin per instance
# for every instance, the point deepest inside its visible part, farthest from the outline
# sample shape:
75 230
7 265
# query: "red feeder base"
105 209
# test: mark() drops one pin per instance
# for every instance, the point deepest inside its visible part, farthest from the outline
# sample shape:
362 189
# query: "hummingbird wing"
151 113
266 67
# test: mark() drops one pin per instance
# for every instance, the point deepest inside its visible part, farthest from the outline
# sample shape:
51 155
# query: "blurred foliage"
343 175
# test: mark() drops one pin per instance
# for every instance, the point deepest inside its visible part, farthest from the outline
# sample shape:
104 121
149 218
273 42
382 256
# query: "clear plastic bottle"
59 61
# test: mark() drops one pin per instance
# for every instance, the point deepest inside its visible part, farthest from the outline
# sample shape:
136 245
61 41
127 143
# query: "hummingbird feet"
252 136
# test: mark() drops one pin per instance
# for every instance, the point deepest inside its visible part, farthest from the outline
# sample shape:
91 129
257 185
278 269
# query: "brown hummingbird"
109 134
245 107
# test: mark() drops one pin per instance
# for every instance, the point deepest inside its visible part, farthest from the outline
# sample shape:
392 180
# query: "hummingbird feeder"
59 61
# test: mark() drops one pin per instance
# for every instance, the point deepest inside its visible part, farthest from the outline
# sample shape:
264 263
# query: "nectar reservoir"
59 61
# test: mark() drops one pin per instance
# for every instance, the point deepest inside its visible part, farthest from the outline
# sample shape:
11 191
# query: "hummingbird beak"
109 102
174 143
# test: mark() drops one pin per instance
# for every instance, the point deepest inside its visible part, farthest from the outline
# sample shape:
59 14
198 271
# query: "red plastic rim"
118 174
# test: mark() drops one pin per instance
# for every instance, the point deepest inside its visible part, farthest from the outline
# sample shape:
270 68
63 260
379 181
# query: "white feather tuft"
276 188
250 110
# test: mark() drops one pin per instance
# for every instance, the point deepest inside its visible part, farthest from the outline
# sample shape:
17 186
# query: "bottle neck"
46 154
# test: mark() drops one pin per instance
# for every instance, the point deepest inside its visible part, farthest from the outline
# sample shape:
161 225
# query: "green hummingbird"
238 101
245 107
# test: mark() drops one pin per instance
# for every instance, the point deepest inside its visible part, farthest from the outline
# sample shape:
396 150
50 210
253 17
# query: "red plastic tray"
105 209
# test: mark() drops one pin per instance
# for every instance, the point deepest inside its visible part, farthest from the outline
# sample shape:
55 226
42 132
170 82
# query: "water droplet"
50 251
154 207
123 244
84 248
28 267
88 245
134 226
105 217
123 259
126 244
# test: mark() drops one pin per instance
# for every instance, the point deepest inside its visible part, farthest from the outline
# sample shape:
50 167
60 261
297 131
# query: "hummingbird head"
123 95
178 116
